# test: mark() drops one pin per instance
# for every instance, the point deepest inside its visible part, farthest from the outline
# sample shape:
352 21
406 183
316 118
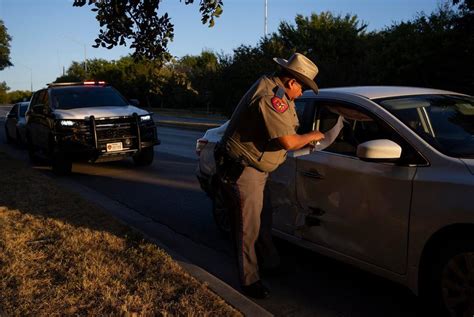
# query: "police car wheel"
32 151
144 157
61 165
221 213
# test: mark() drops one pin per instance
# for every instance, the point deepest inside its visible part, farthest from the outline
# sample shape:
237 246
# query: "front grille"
120 128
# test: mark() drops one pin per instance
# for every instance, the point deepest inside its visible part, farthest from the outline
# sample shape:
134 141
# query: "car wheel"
8 136
18 137
144 157
452 280
31 150
60 163
221 213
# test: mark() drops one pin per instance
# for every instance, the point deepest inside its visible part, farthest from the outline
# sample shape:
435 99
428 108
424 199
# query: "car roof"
377 92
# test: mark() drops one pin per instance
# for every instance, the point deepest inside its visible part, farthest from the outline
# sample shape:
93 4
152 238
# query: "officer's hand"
316 136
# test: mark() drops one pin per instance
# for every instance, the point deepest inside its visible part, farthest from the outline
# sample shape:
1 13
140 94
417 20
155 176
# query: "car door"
280 193
38 126
356 207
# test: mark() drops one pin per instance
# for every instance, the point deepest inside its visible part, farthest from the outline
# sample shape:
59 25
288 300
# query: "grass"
60 255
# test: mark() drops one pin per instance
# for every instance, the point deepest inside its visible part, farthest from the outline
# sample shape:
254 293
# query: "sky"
48 35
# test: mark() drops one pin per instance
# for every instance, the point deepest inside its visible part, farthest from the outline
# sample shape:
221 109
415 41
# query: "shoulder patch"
279 105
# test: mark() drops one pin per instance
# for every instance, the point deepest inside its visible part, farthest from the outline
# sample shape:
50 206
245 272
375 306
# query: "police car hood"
98 112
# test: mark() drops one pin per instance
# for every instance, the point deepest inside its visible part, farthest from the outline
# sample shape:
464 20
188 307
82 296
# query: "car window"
14 110
360 126
34 99
44 100
23 108
305 113
38 98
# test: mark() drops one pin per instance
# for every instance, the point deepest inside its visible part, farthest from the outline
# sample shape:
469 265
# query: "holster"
228 169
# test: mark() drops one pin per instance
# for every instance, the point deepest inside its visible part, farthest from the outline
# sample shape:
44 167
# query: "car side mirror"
41 109
11 115
379 150
135 102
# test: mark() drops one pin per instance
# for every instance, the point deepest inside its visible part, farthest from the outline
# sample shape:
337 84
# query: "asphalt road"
168 193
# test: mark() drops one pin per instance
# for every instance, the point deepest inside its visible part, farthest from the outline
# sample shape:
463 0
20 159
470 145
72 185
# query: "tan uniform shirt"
257 123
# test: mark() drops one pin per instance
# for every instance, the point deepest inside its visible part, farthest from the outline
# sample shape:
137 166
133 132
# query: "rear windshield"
84 97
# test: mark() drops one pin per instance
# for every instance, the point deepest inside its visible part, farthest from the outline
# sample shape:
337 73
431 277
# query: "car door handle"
312 174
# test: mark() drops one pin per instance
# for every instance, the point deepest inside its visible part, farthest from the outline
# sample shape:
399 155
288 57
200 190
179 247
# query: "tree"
19 95
3 92
4 47
138 21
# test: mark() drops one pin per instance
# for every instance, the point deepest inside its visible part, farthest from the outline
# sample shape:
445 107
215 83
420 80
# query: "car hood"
470 164
98 112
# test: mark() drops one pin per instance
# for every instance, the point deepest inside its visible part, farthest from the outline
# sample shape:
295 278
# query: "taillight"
200 144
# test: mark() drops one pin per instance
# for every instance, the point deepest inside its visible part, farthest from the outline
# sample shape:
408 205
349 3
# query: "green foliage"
432 50
7 97
4 47
19 95
138 22
4 92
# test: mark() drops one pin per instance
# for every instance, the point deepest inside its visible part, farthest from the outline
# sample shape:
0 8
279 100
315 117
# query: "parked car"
15 123
89 121
393 194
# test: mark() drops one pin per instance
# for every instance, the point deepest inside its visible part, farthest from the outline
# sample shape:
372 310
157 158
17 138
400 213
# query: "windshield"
444 121
84 97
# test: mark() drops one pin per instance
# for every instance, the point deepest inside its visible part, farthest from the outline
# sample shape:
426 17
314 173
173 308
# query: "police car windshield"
86 96
446 122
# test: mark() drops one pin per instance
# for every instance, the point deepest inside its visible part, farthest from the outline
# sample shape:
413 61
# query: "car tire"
221 212
8 137
18 137
450 281
144 157
31 151
60 163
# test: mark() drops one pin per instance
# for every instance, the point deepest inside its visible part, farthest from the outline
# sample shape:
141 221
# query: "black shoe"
256 290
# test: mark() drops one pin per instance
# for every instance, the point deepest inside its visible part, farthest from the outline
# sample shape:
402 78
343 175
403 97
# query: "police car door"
351 206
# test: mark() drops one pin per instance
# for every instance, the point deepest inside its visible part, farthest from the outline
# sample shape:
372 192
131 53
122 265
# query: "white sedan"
393 194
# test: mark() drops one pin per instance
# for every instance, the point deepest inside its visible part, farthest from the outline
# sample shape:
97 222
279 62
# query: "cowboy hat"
302 68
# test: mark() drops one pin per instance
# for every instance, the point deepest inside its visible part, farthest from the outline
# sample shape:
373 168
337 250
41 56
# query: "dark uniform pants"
249 224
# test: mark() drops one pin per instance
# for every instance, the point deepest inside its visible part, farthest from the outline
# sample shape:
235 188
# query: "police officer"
260 132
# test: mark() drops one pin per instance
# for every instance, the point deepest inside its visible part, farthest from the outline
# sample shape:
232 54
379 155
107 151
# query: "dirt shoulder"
60 254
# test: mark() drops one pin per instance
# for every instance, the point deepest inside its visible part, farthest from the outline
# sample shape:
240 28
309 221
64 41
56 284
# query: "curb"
142 224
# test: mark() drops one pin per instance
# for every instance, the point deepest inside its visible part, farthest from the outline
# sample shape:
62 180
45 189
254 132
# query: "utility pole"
265 19
85 60
31 76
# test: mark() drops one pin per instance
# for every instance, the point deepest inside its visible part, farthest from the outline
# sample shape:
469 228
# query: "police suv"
88 121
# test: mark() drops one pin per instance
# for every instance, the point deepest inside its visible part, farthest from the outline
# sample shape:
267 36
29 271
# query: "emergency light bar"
94 82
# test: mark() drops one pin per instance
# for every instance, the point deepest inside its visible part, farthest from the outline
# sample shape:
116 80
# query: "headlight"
66 123
145 118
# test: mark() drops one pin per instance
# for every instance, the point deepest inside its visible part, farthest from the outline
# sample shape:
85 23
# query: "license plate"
117 146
